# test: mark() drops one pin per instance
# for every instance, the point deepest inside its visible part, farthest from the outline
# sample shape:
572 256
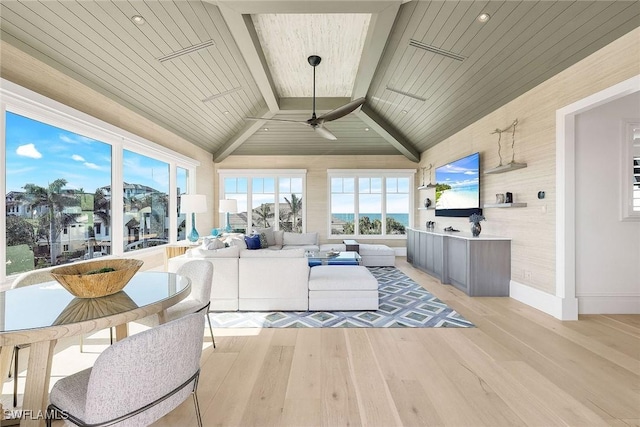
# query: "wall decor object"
427 202
430 184
508 198
541 195
500 198
512 165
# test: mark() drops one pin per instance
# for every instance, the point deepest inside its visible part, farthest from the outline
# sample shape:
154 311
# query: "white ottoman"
342 287
377 255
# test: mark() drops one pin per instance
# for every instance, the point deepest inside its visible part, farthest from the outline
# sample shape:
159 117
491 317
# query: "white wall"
607 249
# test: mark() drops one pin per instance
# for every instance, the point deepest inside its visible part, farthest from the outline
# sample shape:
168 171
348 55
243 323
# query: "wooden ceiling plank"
535 48
35 47
527 77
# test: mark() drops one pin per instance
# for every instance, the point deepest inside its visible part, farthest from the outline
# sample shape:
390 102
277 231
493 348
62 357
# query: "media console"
478 266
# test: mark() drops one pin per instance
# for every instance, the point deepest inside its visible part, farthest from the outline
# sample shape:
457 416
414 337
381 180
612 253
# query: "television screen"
458 187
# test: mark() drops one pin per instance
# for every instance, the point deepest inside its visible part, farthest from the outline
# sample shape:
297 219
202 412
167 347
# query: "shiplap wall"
26 71
317 191
532 228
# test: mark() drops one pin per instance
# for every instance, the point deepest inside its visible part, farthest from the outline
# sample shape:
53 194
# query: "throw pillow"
264 243
268 232
210 243
253 242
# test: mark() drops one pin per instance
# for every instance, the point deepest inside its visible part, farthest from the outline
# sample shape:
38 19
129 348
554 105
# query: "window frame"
250 174
22 101
627 148
370 173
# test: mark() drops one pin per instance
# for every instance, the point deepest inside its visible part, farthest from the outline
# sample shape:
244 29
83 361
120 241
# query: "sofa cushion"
266 253
230 252
210 243
236 240
253 241
300 238
279 237
269 234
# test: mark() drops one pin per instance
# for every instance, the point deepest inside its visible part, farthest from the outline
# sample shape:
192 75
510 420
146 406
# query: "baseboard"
609 304
560 308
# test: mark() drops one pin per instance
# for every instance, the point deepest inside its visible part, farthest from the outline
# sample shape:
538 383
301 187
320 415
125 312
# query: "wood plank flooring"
518 367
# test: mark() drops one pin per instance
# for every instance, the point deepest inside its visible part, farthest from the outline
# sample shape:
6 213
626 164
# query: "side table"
176 249
352 246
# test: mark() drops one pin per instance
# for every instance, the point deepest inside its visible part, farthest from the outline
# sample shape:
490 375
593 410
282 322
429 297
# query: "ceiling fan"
317 123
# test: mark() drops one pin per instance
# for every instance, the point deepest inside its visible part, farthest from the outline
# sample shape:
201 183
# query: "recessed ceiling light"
225 112
404 111
483 17
138 20
366 129
266 129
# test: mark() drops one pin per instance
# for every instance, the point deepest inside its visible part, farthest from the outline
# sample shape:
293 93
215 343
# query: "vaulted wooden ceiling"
426 68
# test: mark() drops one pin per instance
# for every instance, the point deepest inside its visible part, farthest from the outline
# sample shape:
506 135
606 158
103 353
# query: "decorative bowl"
78 282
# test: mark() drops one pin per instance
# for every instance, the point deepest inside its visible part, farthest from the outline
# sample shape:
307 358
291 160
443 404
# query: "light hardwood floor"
517 367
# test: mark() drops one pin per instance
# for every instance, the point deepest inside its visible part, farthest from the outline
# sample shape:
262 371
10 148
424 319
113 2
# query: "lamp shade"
228 206
193 203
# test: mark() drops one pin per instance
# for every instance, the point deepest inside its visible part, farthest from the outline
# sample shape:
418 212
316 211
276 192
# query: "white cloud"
28 150
77 158
92 166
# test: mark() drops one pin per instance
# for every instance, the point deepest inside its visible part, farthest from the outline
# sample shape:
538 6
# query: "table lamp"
228 206
193 203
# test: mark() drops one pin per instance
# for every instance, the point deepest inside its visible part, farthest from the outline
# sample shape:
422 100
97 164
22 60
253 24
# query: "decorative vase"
427 202
475 229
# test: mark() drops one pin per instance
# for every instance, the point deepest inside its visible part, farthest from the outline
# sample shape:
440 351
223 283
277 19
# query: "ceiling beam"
307 6
379 29
244 33
392 136
238 139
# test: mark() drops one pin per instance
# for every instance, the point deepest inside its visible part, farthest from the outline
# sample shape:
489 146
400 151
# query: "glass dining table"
41 314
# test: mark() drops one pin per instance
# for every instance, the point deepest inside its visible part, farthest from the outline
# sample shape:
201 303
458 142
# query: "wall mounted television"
458 187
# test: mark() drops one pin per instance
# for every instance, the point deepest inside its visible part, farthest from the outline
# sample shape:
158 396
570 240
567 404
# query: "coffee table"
327 258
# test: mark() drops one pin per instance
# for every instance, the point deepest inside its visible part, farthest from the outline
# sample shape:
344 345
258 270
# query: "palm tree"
52 200
262 214
295 212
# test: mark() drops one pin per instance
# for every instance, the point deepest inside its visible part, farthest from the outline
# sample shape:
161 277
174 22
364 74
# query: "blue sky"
38 153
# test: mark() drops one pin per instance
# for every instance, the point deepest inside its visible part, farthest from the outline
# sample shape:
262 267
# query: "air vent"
218 95
436 50
403 93
187 50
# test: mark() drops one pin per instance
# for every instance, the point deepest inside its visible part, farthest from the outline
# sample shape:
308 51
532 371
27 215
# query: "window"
275 197
146 201
64 191
379 202
182 179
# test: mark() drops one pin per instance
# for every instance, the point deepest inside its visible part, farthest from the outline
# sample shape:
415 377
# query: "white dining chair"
135 381
200 272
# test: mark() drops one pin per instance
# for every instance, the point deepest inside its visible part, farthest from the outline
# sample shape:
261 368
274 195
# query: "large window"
146 201
77 188
276 199
370 203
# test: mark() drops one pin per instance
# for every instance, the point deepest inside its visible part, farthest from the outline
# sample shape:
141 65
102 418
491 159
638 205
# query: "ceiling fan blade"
341 111
323 132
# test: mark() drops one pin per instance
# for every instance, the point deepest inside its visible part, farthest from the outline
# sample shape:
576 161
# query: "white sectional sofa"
277 277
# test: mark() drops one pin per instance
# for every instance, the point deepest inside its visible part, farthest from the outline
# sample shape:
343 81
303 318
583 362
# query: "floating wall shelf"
506 168
426 209
425 187
505 205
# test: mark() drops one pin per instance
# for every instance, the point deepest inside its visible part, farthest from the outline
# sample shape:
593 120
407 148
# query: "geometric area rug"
402 304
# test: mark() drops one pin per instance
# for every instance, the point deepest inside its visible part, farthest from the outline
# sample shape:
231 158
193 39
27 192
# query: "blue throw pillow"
253 242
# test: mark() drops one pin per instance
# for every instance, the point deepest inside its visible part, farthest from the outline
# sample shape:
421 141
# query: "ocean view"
402 218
